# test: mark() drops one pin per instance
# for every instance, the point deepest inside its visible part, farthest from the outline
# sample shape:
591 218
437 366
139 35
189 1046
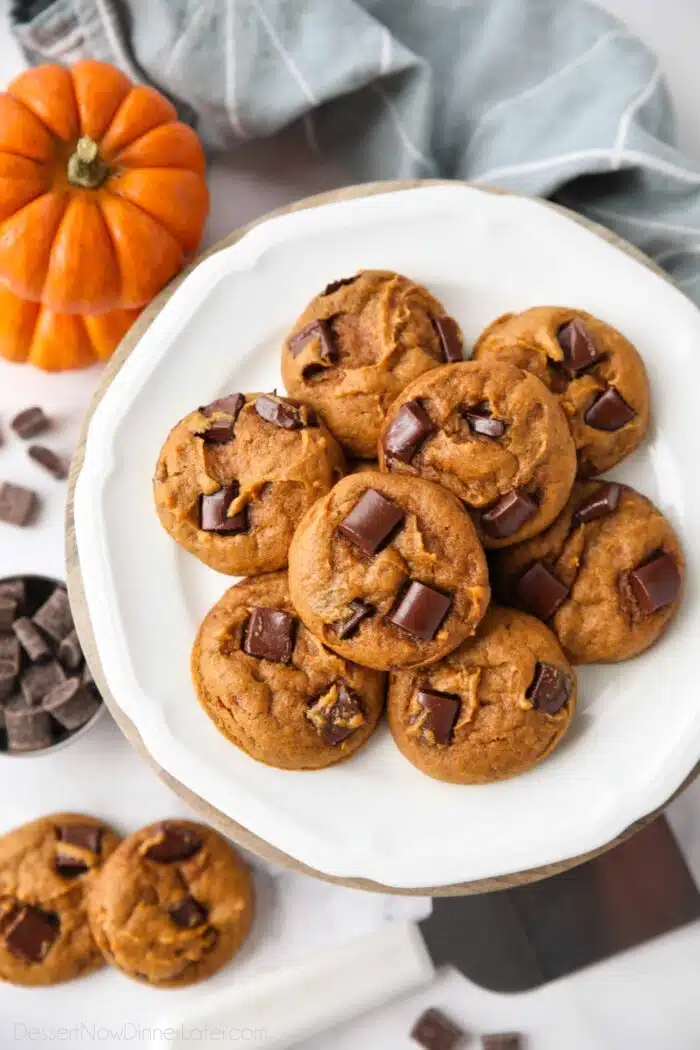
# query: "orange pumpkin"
33 334
102 190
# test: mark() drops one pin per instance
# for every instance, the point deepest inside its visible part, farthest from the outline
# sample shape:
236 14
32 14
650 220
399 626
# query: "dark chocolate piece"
188 913
411 427
339 720
222 430
8 682
482 422
320 330
175 843
360 611
501 1041
269 635
54 617
441 713
213 516
508 514
17 504
30 422
540 592
421 610
9 651
28 728
603 502
609 411
8 613
580 351
84 836
48 459
39 679
231 405
434 1031
32 933
281 413
31 639
450 339
71 703
69 652
69 866
656 583
550 688
14 589
335 285
371 521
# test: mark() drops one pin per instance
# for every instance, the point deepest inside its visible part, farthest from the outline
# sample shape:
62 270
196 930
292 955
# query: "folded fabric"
547 97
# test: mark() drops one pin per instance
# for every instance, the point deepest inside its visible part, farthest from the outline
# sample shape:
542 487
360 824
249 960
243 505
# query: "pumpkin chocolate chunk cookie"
234 478
358 344
492 434
597 375
388 571
173 905
273 689
47 870
607 575
493 708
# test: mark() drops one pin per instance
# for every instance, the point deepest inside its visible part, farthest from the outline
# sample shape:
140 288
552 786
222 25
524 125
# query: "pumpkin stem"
86 167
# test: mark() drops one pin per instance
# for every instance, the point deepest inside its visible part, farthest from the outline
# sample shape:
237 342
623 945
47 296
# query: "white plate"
637 734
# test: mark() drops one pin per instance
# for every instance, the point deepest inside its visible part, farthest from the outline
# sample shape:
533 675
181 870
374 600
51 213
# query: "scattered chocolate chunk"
421 610
188 913
282 414
269 635
31 639
450 338
360 611
441 713
54 616
48 459
550 689
656 583
17 504
174 843
84 836
409 430
213 516
482 422
335 285
39 679
501 1041
30 422
28 728
603 502
337 714
16 590
580 351
8 612
231 405
371 521
69 652
71 703
320 330
434 1031
508 514
540 592
32 933
609 411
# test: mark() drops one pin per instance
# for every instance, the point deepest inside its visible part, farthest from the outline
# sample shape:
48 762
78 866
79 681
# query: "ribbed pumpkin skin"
102 191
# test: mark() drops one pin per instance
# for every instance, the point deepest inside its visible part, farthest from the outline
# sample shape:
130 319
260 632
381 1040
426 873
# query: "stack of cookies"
376 510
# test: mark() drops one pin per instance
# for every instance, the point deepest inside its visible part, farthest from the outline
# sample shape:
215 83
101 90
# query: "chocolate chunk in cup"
17 504
48 459
450 338
173 843
8 612
508 514
421 610
269 635
8 684
54 616
580 351
71 703
540 592
409 431
371 521
69 652
604 501
31 932
656 583
188 913
31 639
15 590
550 689
439 715
39 679
434 1031
609 412
28 728
30 422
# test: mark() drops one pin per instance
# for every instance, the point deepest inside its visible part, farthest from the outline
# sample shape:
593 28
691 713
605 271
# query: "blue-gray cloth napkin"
548 97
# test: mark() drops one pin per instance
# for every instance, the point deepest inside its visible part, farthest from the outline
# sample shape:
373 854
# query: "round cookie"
493 708
273 689
234 478
607 575
597 375
358 344
173 905
47 870
388 571
492 434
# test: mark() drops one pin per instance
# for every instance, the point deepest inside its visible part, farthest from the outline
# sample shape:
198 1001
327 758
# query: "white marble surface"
646 998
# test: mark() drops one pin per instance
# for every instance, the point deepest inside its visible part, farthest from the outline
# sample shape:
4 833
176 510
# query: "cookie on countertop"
173 905
388 571
273 689
358 344
234 478
492 709
597 375
47 870
492 434
607 575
